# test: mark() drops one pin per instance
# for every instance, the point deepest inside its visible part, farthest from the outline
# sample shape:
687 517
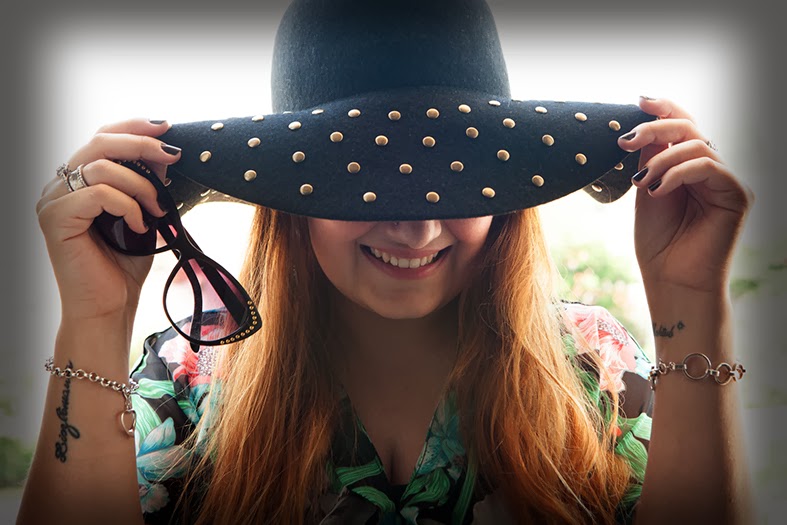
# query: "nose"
415 234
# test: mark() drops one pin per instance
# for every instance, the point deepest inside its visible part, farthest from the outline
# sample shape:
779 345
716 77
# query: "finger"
141 126
123 146
713 175
113 174
660 163
660 133
137 126
663 108
71 215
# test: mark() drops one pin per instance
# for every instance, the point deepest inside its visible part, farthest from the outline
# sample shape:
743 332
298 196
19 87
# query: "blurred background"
74 69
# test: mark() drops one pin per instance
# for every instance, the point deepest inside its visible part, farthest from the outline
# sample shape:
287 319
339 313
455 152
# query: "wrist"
685 321
103 341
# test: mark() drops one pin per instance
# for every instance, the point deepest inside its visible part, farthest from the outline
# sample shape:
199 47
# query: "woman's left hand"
690 208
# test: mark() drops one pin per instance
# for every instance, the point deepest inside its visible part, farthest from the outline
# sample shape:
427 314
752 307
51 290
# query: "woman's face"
359 257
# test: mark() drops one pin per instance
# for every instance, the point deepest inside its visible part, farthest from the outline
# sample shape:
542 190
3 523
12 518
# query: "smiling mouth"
404 263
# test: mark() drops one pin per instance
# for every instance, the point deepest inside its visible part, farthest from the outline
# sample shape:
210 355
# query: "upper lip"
406 254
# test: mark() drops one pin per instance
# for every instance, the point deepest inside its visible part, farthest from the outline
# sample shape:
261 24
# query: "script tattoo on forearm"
661 330
66 429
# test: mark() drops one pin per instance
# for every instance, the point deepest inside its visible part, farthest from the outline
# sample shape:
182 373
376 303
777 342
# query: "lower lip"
407 273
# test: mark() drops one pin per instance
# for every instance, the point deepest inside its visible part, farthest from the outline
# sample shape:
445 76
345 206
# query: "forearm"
83 470
697 470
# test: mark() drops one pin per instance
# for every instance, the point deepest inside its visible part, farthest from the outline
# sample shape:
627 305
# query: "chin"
400 310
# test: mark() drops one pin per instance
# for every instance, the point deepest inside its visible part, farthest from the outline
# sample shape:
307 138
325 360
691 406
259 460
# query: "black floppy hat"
400 111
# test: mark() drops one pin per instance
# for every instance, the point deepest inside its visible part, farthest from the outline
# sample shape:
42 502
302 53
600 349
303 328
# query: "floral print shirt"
174 382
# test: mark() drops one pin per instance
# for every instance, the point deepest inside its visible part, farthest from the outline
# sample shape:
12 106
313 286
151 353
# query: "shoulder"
173 382
593 328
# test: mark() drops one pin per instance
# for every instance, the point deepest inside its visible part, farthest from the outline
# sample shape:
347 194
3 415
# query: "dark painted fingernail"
162 204
629 136
655 185
640 174
157 122
171 150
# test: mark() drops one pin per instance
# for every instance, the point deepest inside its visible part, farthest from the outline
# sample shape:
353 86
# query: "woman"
519 392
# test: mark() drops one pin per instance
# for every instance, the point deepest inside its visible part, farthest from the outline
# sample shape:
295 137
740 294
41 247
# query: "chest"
397 432
398 440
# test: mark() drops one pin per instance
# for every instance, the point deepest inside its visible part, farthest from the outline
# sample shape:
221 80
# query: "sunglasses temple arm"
235 307
196 318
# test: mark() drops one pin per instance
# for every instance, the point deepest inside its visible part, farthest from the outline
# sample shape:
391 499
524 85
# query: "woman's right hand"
94 280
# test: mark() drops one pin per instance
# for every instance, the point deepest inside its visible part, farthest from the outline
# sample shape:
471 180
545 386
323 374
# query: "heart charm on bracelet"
133 414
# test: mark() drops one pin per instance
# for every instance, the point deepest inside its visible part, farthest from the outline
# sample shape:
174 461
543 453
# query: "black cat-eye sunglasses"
214 290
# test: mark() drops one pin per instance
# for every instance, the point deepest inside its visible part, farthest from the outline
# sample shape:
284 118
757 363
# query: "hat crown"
333 49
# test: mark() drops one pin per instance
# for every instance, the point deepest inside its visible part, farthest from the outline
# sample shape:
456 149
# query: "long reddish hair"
530 429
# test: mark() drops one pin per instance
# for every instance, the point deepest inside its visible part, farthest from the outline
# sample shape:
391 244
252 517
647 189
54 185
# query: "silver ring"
62 174
711 145
75 180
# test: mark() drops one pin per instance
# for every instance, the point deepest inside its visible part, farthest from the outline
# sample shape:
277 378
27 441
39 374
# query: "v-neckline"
442 480
348 410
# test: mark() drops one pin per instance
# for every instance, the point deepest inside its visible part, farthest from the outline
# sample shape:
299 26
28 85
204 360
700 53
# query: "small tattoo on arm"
66 429
662 331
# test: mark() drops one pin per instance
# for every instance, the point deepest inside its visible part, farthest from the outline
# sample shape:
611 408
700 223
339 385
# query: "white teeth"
403 263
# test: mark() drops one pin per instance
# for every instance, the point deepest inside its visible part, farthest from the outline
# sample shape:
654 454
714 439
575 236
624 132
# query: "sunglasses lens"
199 287
119 236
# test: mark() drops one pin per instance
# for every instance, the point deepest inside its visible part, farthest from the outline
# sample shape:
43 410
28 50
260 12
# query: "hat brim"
414 154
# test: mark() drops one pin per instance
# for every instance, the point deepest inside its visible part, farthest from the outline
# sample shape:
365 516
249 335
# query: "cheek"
471 233
335 242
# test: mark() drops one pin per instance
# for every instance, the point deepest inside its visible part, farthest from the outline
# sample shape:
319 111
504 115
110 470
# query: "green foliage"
15 461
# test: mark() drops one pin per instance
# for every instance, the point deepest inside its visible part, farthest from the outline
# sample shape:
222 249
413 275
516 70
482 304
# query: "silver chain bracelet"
723 374
133 386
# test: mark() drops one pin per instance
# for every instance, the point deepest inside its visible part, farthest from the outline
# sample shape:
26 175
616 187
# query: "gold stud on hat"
294 125
548 140
258 118
580 117
488 193
597 188
318 112
381 140
464 108
457 166
432 197
429 142
217 126
369 196
250 175
254 142
619 166
353 167
509 123
337 136
405 169
503 155
495 103
307 189
205 156
537 180
394 115
353 113
432 113
472 132
298 156
614 125
541 109
581 159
